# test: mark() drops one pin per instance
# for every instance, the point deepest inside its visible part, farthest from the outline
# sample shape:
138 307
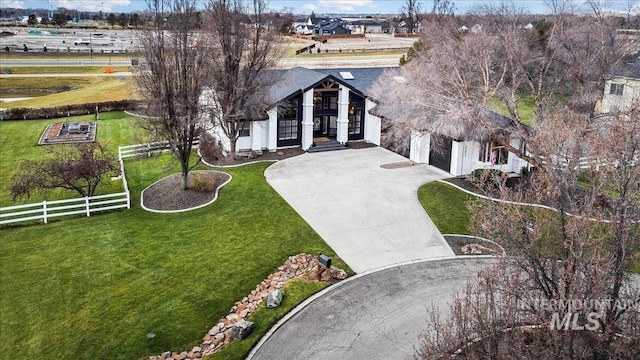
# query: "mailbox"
324 260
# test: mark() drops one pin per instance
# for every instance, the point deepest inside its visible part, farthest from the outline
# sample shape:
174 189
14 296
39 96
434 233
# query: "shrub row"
68 110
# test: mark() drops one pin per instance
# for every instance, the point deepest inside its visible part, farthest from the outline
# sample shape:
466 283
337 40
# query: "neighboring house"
319 103
365 26
334 28
623 87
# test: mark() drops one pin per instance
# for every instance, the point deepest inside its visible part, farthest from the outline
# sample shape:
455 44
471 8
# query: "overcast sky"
298 6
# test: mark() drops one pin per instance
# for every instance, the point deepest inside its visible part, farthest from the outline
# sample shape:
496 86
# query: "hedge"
68 110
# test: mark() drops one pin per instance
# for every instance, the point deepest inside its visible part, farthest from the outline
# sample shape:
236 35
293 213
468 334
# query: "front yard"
93 288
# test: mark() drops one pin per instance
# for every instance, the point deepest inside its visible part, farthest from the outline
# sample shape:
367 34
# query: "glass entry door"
325 126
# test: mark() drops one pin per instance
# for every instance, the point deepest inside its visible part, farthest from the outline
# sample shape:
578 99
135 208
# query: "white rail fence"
46 210
148 149
50 209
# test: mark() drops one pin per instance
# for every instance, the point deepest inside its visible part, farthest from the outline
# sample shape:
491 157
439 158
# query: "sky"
297 6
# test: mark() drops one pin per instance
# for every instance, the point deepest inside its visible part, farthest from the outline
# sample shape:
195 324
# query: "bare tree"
80 168
245 48
410 13
443 8
455 82
174 73
565 291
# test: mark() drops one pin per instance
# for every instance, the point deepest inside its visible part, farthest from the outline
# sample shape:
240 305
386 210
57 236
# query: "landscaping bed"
168 195
473 245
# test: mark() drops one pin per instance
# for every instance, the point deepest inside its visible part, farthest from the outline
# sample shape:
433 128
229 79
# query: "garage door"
440 152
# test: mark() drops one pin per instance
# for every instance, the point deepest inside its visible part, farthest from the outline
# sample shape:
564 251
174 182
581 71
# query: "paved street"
375 316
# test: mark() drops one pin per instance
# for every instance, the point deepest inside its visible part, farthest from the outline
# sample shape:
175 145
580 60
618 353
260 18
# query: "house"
320 104
333 28
365 26
623 86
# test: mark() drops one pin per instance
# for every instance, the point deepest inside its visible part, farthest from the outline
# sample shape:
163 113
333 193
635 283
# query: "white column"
307 119
343 115
420 147
372 124
272 129
256 137
456 158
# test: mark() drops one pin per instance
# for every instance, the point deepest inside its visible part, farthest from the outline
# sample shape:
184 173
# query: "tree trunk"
232 147
185 181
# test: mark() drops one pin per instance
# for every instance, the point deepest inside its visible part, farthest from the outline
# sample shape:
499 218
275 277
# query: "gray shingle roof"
630 69
302 79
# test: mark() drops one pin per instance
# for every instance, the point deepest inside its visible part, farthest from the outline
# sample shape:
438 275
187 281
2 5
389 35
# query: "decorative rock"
241 329
274 299
338 274
234 325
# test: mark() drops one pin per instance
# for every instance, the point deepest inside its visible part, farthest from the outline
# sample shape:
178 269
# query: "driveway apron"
369 215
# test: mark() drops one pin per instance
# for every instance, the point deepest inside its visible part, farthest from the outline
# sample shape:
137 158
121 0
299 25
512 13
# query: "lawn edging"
215 197
521 203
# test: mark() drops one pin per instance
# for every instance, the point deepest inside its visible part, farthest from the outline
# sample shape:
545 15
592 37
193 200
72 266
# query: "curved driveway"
377 315
370 216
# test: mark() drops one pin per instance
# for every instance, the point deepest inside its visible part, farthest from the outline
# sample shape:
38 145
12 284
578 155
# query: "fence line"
85 205
49 209
147 149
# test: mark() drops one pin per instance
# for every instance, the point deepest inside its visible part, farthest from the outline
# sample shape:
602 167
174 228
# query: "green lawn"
68 91
526 107
446 206
92 288
19 141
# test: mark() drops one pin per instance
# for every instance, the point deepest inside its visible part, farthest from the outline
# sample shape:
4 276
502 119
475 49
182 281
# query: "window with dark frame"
244 129
355 119
288 123
494 153
616 89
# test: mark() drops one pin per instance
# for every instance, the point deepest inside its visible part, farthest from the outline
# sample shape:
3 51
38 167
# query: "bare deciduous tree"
410 13
455 82
565 291
244 47
173 74
80 168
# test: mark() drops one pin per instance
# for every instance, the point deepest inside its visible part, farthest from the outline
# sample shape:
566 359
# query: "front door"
320 126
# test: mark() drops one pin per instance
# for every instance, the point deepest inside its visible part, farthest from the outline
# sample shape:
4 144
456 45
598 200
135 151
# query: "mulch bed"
266 156
168 195
280 154
464 245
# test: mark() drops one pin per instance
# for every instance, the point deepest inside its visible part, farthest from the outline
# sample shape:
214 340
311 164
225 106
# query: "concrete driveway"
377 315
369 215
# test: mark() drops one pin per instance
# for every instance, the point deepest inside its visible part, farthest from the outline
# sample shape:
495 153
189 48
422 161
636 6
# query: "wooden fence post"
86 201
44 211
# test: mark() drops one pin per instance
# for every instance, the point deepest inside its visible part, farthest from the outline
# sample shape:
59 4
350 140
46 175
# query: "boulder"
274 299
338 274
241 329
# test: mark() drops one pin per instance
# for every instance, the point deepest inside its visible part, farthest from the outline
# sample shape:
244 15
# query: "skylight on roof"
400 79
346 75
